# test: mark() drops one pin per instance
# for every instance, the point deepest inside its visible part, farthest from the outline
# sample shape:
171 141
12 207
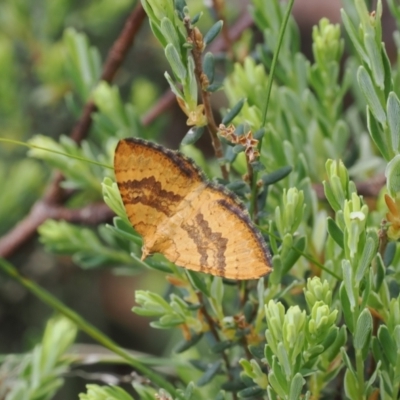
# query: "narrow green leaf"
257 166
209 66
251 392
369 252
196 18
214 87
296 385
392 174
393 116
187 344
387 66
193 135
197 282
155 28
169 32
277 175
347 311
235 110
174 88
363 330
374 54
335 232
210 373
390 252
387 343
348 283
217 289
222 346
259 134
353 34
233 386
350 385
248 311
293 255
212 33
175 62
370 93
239 148
377 134
257 351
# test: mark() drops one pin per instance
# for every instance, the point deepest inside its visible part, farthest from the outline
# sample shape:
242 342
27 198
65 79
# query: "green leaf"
293 255
353 34
209 66
363 330
348 283
212 370
346 307
251 392
257 351
96 392
248 311
193 135
377 135
277 175
335 232
233 112
239 148
212 33
367 87
393 116
187 344
175 61
388 344
196 18
222 346
350 385
214 87
233 386
259 134
389 254
197 282
376 64
347 361
170 33
369 252
258 166
392 174
296 385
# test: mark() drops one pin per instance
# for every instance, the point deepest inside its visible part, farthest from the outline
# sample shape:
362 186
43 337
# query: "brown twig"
45 207
196 39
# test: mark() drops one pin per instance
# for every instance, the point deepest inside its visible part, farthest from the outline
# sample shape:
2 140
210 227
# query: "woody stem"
205 96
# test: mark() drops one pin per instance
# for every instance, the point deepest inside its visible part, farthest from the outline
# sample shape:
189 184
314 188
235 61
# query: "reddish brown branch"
92 214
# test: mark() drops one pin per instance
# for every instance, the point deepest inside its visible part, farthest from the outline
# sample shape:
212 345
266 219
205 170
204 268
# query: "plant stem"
205 96
83 325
